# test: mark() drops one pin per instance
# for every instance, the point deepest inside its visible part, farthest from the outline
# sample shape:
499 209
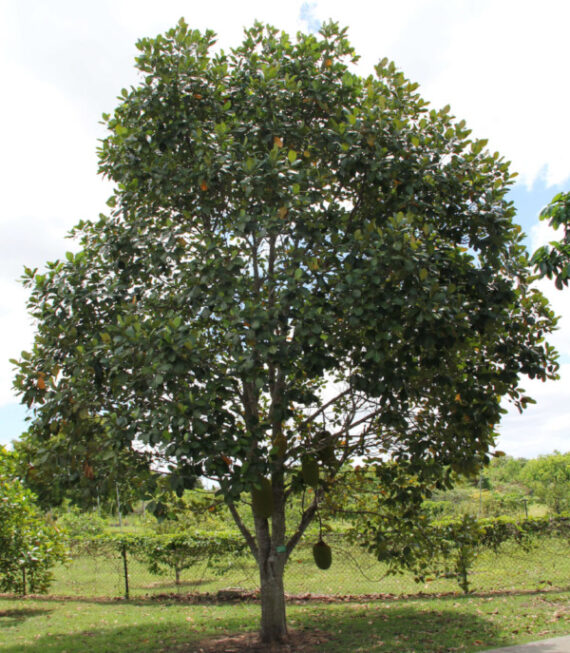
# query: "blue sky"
529 201
502 66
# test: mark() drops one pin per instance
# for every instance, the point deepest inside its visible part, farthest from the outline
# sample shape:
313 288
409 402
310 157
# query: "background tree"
29 545
506 470
549 479
300 266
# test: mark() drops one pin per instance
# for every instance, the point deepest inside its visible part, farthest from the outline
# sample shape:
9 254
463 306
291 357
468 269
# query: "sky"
502 65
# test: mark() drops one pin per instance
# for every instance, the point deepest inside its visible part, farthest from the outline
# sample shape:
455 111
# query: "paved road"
556 645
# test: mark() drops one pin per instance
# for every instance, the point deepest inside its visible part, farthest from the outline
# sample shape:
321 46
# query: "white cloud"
502 66
51 169
542 233
505 72
542 427
140 18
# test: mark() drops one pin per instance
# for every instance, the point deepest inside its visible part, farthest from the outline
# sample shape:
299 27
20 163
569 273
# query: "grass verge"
424 624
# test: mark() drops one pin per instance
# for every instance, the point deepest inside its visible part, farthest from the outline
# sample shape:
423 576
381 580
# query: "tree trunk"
271 558
273 619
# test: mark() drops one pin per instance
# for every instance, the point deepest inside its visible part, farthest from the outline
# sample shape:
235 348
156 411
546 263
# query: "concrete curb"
555 645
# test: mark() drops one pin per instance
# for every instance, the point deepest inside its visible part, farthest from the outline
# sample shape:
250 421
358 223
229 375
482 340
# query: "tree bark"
273 617
271 564
271 561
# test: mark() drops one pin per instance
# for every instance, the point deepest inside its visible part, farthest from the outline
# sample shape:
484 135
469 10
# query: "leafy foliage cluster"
29 545
553 261
549 479
450 547
92 471
168 553
75 523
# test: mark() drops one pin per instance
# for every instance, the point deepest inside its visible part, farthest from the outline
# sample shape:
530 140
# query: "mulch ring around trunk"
307 641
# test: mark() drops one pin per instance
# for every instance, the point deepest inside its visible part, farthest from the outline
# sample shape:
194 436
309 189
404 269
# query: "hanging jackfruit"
325 448
326 454
262 499
322 554
310 471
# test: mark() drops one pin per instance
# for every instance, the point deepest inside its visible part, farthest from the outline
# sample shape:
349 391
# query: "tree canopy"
553 260
299 266
91 470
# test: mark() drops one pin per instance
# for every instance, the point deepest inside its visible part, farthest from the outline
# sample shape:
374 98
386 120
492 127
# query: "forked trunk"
271 551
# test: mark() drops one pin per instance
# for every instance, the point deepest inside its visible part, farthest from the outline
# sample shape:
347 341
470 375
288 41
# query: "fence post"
125 569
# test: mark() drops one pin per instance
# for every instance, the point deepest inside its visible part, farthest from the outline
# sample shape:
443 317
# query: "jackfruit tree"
299 267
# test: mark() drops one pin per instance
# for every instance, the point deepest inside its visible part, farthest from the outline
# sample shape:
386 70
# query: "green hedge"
450 546
165 553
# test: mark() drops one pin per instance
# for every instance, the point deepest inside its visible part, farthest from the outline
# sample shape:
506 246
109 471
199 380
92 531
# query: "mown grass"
426 624
353 572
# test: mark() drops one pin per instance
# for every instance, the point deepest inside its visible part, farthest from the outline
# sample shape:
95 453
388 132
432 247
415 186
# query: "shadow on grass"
404 629
10 618
377 628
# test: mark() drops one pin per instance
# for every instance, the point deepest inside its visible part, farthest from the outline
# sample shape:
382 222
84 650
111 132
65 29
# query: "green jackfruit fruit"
310 471
326 454
322 554
262 499
280 444
324 445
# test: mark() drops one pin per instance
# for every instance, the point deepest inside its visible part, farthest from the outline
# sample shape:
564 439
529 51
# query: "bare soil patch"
305 641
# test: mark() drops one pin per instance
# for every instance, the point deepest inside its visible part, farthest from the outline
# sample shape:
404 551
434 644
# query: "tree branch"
325 406
346 429
306 519
244 530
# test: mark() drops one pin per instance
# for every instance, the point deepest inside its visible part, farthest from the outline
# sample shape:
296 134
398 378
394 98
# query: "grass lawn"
422 624
518 597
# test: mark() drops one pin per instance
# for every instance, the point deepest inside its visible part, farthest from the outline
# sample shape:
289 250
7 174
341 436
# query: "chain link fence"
98 569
